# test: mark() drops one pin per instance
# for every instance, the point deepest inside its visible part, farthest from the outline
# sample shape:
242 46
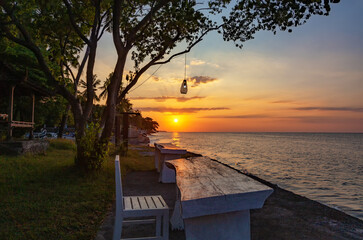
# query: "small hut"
14 85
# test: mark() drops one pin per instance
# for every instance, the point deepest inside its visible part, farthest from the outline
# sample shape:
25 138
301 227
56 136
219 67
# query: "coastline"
289 211
322 167
285 215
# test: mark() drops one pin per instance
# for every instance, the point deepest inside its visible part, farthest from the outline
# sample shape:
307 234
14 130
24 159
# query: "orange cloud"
197 80
344 109
164 98
155 78
239 116
283 101
179 110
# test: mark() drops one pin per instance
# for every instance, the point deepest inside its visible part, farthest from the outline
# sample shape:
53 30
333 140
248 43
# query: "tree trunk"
113 89
81 160
64 121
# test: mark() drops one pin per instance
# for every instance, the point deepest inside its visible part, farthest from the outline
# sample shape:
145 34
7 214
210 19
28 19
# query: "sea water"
326 167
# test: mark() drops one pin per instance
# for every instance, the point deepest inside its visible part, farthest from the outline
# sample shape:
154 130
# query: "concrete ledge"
38 146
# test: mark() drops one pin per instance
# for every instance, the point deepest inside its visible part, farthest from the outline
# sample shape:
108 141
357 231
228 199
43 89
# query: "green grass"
46 197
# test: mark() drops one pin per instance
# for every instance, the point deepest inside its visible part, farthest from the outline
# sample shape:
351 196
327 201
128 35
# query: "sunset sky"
310 80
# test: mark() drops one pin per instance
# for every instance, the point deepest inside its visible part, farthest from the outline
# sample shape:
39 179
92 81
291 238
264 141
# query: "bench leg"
158 226
176 219
167 175
166 225
226 226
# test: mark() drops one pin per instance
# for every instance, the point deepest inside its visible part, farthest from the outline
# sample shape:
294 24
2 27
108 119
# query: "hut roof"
24 84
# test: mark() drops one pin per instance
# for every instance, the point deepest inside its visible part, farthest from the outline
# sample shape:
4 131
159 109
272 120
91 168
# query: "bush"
91 152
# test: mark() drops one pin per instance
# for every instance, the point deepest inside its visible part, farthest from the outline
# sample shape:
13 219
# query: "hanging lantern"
184 87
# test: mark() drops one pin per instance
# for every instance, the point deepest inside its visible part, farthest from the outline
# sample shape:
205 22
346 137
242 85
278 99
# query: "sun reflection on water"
176 138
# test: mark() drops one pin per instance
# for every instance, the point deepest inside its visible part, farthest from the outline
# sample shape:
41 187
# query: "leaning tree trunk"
113 90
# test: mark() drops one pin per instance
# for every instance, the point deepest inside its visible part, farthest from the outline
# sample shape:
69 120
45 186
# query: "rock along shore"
285 215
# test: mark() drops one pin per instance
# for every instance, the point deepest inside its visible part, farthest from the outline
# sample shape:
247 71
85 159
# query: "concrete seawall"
285 214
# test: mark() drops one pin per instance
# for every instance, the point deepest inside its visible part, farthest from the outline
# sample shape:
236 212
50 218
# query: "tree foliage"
147 32
16 64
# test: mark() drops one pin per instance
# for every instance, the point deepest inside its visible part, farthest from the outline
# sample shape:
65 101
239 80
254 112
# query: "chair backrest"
118 185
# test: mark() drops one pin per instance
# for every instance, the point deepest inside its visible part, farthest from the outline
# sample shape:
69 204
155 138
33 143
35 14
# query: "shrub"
91 152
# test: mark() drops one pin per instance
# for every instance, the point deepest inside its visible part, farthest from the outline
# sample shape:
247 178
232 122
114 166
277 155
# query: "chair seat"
139 205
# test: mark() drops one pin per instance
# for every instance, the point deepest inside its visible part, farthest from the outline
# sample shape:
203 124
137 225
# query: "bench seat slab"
164 152
207 188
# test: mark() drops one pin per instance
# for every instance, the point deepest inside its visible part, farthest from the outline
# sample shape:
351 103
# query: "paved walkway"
138 184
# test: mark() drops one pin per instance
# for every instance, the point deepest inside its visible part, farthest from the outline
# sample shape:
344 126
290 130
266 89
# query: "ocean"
326 167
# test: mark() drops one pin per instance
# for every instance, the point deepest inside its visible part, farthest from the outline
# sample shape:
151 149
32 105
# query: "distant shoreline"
272 132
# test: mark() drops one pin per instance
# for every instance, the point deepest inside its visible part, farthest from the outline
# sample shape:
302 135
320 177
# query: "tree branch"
91 60
103 29
100 23
28 43
119 45
71 72
190 46
146 67
73 22
81 67
144 22
11 37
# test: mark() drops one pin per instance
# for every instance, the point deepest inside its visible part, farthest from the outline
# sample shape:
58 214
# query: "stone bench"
213 200
164 152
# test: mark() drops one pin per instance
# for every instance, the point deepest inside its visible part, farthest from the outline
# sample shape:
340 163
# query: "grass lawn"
46 197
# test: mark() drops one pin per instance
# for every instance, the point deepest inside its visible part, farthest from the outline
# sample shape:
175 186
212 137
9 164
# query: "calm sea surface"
324 167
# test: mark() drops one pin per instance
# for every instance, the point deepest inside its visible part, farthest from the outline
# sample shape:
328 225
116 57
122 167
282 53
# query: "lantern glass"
184 87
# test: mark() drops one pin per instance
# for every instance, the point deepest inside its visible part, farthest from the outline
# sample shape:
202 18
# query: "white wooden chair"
139 206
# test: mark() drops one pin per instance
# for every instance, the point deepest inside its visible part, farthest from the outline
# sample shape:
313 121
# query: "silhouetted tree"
147 32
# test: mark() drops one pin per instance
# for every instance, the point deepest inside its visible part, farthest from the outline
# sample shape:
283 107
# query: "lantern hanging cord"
146 79
185 67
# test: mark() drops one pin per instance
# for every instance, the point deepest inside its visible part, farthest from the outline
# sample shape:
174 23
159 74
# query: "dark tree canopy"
58 32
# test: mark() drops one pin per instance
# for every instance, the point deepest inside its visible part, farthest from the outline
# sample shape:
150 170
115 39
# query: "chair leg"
117 228
158 226
166 225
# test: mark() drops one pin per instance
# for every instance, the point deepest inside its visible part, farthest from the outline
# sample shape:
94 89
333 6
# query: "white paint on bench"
214 199
139 206
164 152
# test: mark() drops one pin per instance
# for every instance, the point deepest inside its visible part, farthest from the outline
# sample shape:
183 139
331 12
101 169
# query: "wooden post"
31 135
125 132
10 113
117 131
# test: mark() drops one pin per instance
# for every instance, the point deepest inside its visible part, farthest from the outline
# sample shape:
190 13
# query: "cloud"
155 78
283 101
197 62
239 116
197 80
344 109
260 98
322 119
164 98
270 100
303 119
179 110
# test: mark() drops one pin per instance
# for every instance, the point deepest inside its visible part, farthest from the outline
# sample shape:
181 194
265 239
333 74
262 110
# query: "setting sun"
176 120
